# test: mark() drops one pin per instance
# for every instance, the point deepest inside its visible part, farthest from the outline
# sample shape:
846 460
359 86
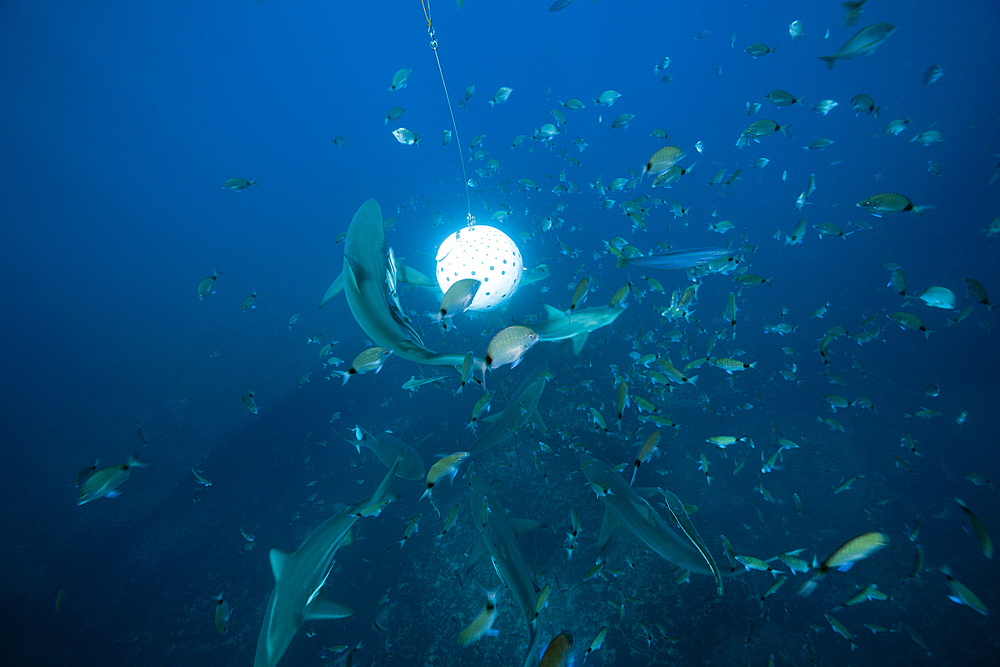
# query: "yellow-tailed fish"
841 630
962 595
846 556
579 295
446 466
559 652
102 483
482 624
648 447
369 360
597 642
890 202
978 529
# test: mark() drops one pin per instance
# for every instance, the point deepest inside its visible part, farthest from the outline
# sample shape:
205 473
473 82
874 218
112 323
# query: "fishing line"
458 141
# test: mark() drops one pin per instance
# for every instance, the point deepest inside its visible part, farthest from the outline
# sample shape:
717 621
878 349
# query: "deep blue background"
121 120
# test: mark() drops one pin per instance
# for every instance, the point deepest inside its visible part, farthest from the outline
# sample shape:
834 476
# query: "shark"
557 325
299 578
498 540
364 278
520 409
624 506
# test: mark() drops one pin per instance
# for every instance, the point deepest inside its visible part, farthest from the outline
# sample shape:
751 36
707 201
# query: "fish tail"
135 463
919 210
875 112
344 377
830 60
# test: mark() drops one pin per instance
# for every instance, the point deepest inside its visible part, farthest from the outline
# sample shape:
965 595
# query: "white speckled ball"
486 254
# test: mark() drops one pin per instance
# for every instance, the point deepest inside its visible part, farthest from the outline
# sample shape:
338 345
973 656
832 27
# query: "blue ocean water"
122 120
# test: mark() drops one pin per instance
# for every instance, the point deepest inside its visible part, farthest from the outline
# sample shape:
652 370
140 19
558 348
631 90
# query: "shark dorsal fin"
278 561
553 313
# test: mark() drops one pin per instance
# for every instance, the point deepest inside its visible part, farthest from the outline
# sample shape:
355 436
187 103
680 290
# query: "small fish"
865 41
207 286
890 202
864 104
559 652
622 121
339 141
781 98
795 30
250 404
645 452
482 624
962 595
752 563
596 643
222 614
201 479
509 346
500 96
978 530
407 137
457 299
845 556
663 159
400 79
248 303
394 114
608 97
371 359
933 73
896 126
102 483
757 50
841 630
237 184
446 466
141 434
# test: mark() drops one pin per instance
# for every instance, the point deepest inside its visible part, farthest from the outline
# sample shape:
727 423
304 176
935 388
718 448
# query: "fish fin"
278 561
538 421
553 313
321 607
579 341
608 527
112 494
135 463
522 526
335 288
830 60
476 555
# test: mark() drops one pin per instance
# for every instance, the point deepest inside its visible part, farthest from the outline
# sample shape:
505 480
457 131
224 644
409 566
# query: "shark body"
625 507
522 407
498 540
576 328
299 577
364 279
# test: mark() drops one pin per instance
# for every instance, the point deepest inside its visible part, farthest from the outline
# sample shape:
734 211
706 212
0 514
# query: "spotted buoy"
485 254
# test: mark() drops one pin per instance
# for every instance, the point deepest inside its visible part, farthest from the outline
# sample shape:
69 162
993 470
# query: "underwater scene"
538 333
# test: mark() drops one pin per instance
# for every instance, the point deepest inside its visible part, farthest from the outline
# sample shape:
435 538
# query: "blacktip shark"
299 577
365 266
576 327
498 540
520 409
626 507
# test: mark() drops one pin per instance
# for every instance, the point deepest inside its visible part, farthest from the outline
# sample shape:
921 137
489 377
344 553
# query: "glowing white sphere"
486 254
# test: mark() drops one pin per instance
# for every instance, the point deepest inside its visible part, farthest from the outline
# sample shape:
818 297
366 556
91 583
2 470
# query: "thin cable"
458 140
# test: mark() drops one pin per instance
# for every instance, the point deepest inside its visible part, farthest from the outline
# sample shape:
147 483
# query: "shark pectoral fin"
346 541
321 607
579 341
278 560
522 526
335 288
539 422
489 419
477 554
608 527
646 492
